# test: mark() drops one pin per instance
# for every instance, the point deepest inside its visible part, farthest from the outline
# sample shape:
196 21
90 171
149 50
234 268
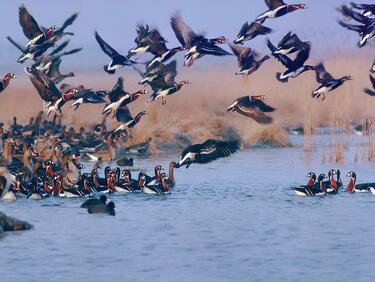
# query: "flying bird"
196 44
207 152
295 67
250 31
6 80
117 60
253 107
327 82
248 59
368 91
278 8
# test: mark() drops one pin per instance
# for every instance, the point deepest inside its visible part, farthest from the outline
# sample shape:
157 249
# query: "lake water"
232 220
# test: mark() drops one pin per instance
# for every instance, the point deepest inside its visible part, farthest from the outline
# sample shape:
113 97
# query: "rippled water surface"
231 220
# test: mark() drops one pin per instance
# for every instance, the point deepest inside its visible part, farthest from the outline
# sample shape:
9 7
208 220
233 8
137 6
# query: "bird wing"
263 106
29 25
285 60
212 49
59 48
123 115
255 114
259 28
18 46
242 53
142 32
372 79
54 69
285 39
42 87
322 76
214 149
244 29
353 27
170 72
273 4
185 35
302 56
105 46
117 91
69 21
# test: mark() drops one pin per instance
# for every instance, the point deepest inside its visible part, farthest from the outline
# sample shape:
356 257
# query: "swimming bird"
196 44
295 67
160 188
207 152
312 188
366 29
278 8
354 187
247 58
102 208
250 31
92 202
291 43
368 91
4 83
328 83
253 107
117 60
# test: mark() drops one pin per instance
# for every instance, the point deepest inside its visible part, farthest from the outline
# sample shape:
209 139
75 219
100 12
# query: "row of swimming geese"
160 75
319 186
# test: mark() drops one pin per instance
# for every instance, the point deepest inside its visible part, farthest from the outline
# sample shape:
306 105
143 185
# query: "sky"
116 20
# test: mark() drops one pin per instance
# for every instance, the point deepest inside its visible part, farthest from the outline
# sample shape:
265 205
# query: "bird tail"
107 70
278 76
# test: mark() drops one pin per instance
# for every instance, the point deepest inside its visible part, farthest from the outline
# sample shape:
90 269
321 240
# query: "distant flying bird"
278 8
128 121
368 10
369 91
250 31
328 83
366 29
207 152
294 68
118 61
196 44
5 81
248 59
253 107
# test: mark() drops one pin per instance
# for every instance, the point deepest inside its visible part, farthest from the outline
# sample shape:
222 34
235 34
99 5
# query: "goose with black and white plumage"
207 152
147 40
368 91
353 187
366 28
196 44
125 117
88 96
122 102
117 60
291 43
295 67
278 8
312 189
4 83
367 10
161 188
250 31
327 81
253 107
248 59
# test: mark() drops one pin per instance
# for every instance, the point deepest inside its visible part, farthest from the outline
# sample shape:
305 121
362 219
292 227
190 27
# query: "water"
231 220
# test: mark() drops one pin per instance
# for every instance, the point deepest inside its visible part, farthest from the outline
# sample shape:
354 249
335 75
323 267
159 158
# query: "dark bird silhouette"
117 61
6 80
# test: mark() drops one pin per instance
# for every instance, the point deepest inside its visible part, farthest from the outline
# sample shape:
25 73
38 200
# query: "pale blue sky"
116 20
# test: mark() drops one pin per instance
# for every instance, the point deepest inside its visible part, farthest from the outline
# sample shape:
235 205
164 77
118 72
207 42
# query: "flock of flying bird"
160 72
